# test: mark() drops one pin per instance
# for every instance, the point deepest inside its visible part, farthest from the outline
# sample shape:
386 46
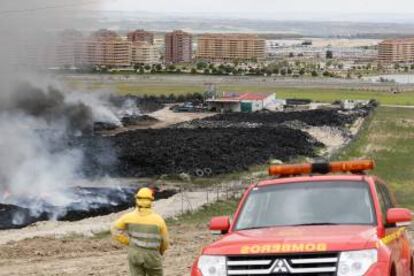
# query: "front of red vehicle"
313 225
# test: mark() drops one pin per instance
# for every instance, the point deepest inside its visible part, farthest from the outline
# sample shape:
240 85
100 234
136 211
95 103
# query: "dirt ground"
96 256
166 118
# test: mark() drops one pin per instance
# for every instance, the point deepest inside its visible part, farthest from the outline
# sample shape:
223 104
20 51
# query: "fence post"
182 199
207 195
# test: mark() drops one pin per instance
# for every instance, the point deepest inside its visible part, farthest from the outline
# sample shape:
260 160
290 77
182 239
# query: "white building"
241 102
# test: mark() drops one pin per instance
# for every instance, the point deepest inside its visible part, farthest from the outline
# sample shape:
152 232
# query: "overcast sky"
265 6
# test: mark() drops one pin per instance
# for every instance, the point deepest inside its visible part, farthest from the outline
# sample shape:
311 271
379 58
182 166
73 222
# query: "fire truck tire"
412 267
393 272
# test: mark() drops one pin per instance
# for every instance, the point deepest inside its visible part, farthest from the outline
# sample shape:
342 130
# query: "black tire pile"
216 145
205 152
318 117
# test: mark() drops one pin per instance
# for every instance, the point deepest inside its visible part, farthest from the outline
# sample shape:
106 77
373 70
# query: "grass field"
330 95
388 138
320 95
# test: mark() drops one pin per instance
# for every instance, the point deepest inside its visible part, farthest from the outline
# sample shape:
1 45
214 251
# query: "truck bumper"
379 269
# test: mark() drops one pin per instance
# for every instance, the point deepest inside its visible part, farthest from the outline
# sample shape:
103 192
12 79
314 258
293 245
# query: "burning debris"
39 161
84 202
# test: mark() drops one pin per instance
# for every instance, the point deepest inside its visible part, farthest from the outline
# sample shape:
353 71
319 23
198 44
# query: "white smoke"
101 107
36 115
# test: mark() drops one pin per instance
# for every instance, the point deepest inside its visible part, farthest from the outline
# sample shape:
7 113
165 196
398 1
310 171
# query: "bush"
201 65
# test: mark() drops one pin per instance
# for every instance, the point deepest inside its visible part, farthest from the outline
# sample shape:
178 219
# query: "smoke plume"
38 116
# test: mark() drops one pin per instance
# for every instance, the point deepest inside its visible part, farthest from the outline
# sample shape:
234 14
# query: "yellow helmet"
145 193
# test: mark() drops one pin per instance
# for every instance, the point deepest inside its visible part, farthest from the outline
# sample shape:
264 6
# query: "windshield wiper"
254 227
301 224
315 223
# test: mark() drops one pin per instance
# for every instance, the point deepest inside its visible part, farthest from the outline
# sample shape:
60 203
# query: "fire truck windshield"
308 203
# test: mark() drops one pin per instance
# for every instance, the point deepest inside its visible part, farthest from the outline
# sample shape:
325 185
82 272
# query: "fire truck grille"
283 265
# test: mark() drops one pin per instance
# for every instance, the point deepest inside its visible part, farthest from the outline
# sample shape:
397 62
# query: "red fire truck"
313 219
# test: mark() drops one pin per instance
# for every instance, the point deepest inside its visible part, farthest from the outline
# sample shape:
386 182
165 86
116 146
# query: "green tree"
276 71
158 67
302 71
326 74
171 67
206 71
329 54
193 71
147 67
201 65
314 73
396 66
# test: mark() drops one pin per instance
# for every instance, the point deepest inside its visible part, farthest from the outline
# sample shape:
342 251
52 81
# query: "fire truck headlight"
353 263
212 265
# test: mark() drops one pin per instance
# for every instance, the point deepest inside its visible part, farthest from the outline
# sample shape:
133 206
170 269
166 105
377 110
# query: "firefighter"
146 234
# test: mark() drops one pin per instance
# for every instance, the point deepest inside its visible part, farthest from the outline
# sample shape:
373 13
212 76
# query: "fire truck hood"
303 239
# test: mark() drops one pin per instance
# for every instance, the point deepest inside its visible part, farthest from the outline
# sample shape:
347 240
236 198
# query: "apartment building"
141 36
178 47
145 53
230 47
70 49
396 50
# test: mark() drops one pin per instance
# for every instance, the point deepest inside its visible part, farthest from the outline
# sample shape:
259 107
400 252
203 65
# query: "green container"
246 107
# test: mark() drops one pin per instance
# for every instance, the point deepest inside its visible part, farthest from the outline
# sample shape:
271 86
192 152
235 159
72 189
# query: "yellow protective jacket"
142 228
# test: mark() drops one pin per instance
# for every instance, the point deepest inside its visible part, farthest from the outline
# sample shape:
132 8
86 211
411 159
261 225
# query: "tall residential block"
141 36
230 47
178 47
145 53
396 50
107 48
70 49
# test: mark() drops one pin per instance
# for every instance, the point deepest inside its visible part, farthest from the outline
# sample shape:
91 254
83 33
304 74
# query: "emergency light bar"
322 167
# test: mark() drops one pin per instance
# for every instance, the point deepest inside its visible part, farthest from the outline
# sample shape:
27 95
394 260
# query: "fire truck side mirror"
399 216
221 224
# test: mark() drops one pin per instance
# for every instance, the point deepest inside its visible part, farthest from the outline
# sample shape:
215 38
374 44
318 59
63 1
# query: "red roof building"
240 102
